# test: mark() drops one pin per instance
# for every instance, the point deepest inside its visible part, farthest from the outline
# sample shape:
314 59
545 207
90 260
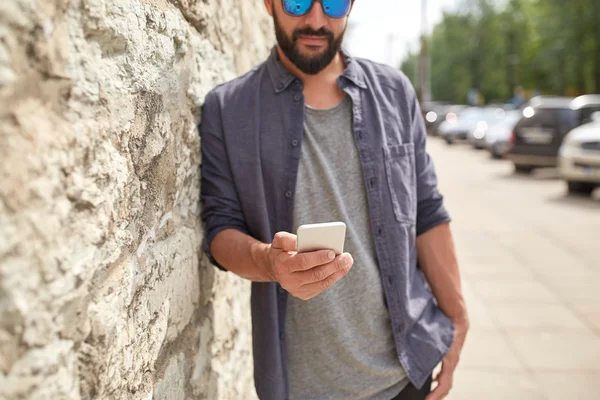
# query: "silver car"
579 158
498 135
458 126
489 120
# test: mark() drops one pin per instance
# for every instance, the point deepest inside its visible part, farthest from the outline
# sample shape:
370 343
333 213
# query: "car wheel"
581 188
495 151
523 169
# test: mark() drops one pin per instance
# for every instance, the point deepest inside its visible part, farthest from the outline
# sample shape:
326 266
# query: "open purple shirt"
251 135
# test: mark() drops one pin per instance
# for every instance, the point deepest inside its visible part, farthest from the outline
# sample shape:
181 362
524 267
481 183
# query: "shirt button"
390 279
280 289
280 86
288 194
379 230
282 335
297 97
372 182
294 143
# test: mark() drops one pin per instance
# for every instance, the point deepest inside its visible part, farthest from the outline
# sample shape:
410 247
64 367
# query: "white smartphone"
323 236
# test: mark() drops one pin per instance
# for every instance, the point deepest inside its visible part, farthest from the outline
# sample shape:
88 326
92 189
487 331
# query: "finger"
436 372
316 288
323 272
285 241
306 261
438 393
443 388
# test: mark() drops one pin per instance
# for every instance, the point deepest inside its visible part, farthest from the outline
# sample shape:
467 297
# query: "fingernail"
348 259
331 255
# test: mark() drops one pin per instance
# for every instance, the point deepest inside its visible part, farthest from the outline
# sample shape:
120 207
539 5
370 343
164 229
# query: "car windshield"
472 114
511 118
585 115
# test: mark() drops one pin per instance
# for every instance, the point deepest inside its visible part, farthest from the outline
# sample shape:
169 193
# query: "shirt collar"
282 78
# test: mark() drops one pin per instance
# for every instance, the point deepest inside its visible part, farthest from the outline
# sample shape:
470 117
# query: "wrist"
461 322
260 258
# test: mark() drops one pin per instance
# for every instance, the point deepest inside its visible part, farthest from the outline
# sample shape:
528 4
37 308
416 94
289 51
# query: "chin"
308 51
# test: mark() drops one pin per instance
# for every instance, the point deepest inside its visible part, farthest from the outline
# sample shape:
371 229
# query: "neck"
320 90
329 74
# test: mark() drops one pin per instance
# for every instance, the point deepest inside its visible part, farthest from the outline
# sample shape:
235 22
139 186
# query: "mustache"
307 31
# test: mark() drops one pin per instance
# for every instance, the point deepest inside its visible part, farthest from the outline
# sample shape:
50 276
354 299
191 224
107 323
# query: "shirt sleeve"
219 199
430 202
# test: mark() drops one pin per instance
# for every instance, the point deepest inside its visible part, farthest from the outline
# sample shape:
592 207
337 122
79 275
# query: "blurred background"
510 96
494 46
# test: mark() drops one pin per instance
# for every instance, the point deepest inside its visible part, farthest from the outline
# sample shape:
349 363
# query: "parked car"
538 135
497 136
579 158
489 119
432 112
437 114
457 126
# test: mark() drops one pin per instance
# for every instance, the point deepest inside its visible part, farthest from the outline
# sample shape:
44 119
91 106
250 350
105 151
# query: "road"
530 262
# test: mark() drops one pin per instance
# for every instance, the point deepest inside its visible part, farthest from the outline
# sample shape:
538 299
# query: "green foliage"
543 46
409 67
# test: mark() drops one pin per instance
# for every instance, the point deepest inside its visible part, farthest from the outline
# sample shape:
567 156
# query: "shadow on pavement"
579 201
542 174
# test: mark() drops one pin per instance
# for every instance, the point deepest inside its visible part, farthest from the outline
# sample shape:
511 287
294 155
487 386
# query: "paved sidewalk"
530 259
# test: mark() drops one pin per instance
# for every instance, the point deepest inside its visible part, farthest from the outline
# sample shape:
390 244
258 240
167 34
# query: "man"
314 135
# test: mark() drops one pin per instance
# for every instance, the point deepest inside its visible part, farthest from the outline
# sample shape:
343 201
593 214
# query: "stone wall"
104 293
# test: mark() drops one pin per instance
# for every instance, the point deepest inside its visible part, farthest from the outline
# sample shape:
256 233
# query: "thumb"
285 241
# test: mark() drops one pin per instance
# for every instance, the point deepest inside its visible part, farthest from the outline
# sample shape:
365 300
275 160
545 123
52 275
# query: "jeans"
412 393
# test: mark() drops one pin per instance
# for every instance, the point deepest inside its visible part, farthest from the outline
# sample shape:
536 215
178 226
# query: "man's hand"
445 377
304 275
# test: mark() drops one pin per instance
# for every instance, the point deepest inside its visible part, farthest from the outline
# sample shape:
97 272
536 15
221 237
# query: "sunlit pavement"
530 261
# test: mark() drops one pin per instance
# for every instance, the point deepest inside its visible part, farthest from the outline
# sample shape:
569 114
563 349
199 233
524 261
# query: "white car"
579 158
498 135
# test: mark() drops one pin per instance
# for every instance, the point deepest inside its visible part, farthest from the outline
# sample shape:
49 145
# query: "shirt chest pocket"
401 178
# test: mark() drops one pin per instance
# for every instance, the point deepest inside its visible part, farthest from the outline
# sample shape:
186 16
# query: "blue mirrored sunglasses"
332 8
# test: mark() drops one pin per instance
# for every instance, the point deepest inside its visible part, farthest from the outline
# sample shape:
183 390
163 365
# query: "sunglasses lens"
296 7
336 8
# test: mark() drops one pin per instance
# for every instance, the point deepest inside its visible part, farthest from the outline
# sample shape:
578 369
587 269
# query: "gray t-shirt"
339 345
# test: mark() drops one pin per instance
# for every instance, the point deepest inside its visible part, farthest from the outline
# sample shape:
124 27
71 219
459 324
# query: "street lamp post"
424 56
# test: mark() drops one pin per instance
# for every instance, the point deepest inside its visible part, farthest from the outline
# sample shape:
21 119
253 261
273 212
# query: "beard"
310 65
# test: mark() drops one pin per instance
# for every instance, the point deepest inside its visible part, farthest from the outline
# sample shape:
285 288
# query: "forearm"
437 258
241 254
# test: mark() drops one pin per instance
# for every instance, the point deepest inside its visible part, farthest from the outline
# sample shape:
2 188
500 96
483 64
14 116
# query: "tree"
410 68
496 46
